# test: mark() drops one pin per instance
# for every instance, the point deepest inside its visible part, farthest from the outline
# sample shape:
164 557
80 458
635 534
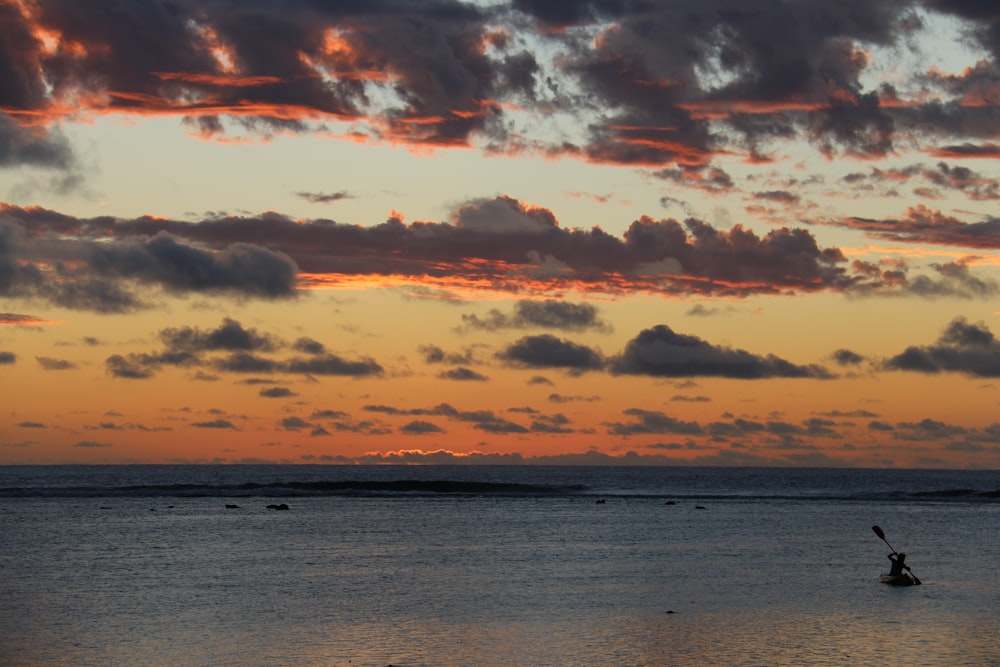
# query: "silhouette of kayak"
898 580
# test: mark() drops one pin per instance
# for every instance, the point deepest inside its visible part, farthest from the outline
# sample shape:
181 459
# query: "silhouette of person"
898 564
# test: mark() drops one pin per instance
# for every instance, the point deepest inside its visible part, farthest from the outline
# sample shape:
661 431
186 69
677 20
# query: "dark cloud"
962 348
500 244
462 374
434 354
332 364
215 423
92 444
294 424
552 424
484 420
548 314
230 335
85 272
547 351
277 392
30 146
50 364
324 197
418 427
245 362
246 347
122 367
920 224
660 352
309 346
650 421
846 357
965 180
658 84
30 424
7 358
327 414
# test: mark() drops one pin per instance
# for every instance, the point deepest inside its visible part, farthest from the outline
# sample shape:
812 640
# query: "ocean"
494 566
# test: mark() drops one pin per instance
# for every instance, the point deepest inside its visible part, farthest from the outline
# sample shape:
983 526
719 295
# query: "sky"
724 232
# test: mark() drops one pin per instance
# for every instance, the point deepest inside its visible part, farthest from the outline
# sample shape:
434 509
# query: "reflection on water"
490 582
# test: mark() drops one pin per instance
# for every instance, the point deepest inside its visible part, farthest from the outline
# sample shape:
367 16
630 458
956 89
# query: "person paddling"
895 576
898 564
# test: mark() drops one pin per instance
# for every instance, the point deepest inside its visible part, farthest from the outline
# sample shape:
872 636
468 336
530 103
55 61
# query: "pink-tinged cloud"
456 74
19 320
498 244
920 224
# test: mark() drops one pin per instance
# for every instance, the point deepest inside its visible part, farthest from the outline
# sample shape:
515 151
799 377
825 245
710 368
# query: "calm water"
494 566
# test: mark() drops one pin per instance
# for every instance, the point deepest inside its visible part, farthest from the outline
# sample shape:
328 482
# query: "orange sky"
500 233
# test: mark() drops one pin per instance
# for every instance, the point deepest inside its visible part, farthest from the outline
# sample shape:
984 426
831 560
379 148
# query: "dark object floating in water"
700 507
670 612
601 501
232 507
904 579
282 506
670 502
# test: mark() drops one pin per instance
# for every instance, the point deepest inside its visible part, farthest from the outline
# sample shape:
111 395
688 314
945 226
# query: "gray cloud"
462 374
549 314
50 364
230 335
660 352
215 424
277 392
547 351
7 358
419 427
962 348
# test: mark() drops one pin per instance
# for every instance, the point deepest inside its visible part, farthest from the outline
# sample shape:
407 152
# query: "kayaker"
898 564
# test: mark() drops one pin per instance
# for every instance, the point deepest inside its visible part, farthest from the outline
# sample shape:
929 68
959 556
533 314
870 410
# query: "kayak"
898 580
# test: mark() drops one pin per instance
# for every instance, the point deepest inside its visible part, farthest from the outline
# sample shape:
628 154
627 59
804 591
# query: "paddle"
878 531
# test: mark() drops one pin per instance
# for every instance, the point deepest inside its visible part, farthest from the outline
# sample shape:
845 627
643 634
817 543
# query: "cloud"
462 374
549 314
309 346
129 368
653 84
332 364
434 354
31 146
215 424
521 247
30 424
50 364
845 357
324 197
230 335
547 351
245 362
920 224
92 444
660 352
64 261
7 358
962 348
19 320
246 347
419 427
294 424
277 392
650 421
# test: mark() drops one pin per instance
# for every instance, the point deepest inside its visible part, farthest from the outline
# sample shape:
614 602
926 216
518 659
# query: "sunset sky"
724 232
